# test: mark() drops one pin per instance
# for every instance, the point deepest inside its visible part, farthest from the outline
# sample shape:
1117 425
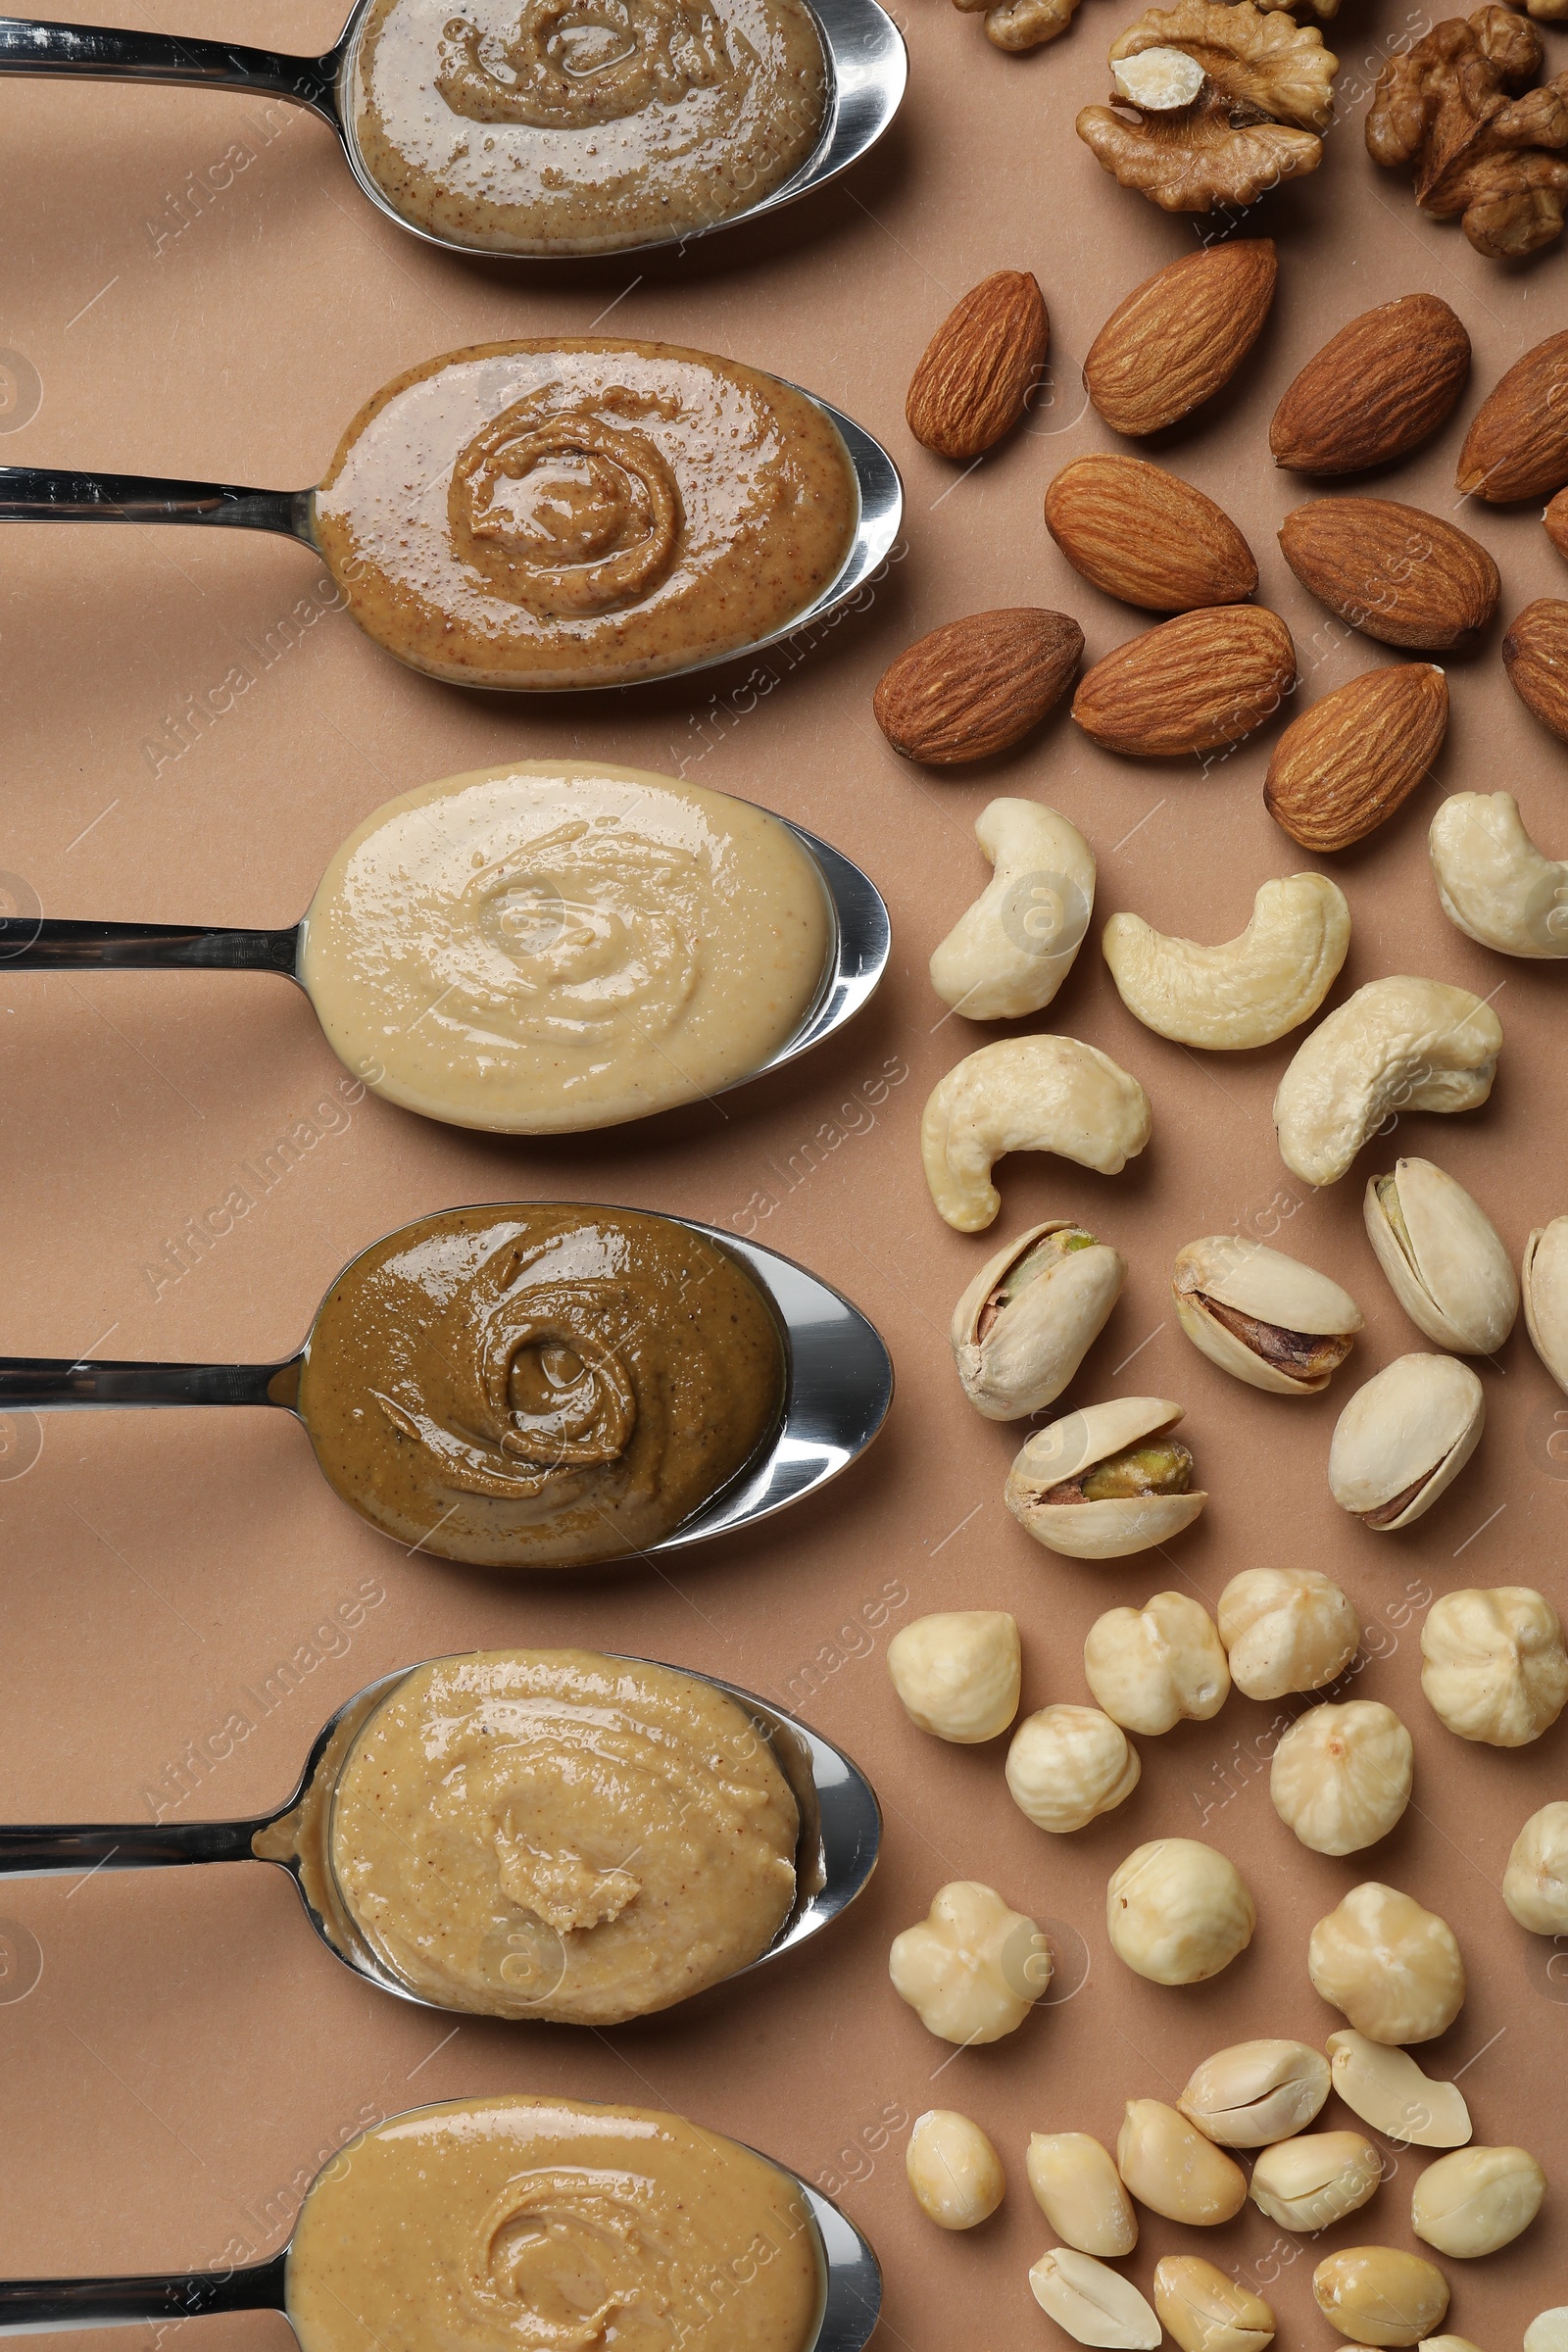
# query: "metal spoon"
841 1829
867 67
857 954
52 494
838 1387
851 2286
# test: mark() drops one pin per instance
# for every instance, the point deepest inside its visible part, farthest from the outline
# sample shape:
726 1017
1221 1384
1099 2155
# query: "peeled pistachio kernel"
1095 2304
1535 1884
1340 1776
1544 1282
1080 2192
1178 1912
972 1969
1386 2090
1285 1628
1256 2093
1316 2180
1155 1667
1207 2312
1262 1316
1547 2332
1494 1668
1174 2170
1031 1314
1477 2200
1106 1480
1404 1439
957 1673
1442 1256
1391 1966
1380 2295
953 2170
1068 1765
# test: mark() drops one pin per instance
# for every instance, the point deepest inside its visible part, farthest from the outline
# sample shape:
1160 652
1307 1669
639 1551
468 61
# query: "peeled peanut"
1207 2312
953 2170
1173 2169
1315 2182
1079 2191
1095 2304
1256 2093
1380 2295
1477 2200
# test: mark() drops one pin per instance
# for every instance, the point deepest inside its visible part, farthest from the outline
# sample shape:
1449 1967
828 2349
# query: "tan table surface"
201 291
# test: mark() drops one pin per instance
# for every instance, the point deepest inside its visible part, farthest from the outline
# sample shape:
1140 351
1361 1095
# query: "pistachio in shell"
1545 1294
1105 1481
1443 1258
1029 1317
1403 1437
1264 1316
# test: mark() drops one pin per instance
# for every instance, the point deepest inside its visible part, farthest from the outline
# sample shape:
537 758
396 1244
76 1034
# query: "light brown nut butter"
1080 2192
1495 1668
1177 1912
1285 1628
1386 2090
953 2170
1256 2093
1312 2183
1535 1884
1477 2200
1381 2295
1340 1776
1175 2170
1391 1966
1207 2312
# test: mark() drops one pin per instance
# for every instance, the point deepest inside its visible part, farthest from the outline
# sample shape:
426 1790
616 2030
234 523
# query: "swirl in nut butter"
538 126
518 2223
539 1386
585 513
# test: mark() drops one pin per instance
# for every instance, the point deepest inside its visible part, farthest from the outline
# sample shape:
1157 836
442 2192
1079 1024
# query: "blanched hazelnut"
953 2170
1207 2312
972 1969
957 1673
1495 1669
1093 2303
1547 2332
1386 2090
1477 2200
1391 1966
1150 1668
1173 2169
1535 1884
1315 2182
1079 2190
1340 1776
1068 1765
1285 1628
1256 2093
1380 2295
1178 1912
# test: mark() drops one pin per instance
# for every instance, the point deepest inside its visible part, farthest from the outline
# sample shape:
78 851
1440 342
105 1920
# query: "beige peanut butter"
546 2225
559 945
583 512
583 126
557 1834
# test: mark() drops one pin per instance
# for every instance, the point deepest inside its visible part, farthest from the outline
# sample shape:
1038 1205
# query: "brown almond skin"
1344 767
979 367
1148 537
1556 519
1517 446
1534 654
1392 572
1195 684
1376 389
978 685
1180 335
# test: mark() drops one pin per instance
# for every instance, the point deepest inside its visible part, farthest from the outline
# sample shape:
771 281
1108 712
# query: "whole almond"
1534 654
1392 572
1195 684
1345 765
978 685
1180 335
1377 388
1518 443
978 368
1145 535
1556 519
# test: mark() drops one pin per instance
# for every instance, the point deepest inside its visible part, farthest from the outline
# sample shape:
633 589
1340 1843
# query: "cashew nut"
1396 1044
1026 1094
1247 991
1013 947
1492 881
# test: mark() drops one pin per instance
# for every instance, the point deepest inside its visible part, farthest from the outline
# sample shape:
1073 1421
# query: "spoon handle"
104 53
55 1849
27 2305
50 1383
53 494
31 944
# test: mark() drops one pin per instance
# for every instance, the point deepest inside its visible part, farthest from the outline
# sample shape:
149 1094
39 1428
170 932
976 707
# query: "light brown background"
190 2054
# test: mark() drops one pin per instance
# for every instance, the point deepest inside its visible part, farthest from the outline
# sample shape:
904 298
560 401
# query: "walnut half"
1024 23
1484 145
1214 102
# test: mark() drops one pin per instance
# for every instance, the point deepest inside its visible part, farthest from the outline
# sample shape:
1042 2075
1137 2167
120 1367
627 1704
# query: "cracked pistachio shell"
1177 1912
1266 1287
1442 1256
1398 1044
1545 1294
1285 1628
1316 2180
1118 1525
1079 2190
1174 2170
1403 1437
1392 1968
1494 1668
1204 2311
1340 1776
1256 2093
1381 2295
1386 2090
1535 1884
1093 2303
1157 1666
1068 1765
1477 2200
1034 1343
